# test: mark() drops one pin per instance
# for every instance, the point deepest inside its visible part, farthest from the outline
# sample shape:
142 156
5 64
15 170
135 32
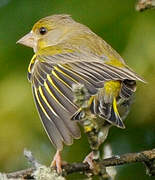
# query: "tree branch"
146 157
145 4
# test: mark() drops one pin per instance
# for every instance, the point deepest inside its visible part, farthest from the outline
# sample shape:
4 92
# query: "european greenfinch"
67 53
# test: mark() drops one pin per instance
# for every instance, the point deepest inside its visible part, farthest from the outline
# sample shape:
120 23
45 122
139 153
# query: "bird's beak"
27 40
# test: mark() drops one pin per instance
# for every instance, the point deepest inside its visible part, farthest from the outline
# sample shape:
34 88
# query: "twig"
145 4
146 157
26 173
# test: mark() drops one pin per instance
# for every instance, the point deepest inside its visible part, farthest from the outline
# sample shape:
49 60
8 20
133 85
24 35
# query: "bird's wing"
54 101
52 77
87 64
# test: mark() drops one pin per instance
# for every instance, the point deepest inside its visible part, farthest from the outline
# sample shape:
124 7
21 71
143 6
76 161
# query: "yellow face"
38 37
46 32
41 30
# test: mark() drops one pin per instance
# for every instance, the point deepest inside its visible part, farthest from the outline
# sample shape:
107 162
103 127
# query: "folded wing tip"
141 79
122 126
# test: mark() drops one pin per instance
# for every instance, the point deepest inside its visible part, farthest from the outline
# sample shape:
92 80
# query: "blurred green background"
131 33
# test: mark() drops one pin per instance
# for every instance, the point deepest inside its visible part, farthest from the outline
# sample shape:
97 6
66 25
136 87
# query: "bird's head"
48 31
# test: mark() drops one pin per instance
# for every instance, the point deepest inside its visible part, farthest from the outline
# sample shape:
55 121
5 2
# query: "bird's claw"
89 159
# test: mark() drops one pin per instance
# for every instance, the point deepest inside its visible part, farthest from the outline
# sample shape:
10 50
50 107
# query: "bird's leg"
57 162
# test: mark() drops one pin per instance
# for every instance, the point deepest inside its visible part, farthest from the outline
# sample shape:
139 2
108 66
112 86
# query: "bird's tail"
104 105
115 118
107 111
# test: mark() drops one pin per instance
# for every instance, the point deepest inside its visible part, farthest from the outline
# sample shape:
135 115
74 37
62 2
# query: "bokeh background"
131 33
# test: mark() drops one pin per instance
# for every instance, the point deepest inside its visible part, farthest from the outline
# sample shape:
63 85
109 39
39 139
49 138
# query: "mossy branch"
146 157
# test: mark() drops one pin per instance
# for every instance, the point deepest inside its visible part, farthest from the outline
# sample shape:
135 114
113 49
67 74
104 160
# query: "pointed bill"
27 40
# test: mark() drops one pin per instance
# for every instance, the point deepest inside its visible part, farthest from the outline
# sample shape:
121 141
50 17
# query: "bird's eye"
42 30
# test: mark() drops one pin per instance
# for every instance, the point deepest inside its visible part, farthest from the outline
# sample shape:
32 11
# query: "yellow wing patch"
112 87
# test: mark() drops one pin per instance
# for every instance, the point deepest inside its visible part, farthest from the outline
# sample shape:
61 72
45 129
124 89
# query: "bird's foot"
89 159
57 162
94 165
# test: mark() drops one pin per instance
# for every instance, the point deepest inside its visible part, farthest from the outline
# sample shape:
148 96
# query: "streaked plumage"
70 53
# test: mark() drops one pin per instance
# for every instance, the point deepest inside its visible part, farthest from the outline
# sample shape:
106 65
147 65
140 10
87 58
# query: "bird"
67 52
